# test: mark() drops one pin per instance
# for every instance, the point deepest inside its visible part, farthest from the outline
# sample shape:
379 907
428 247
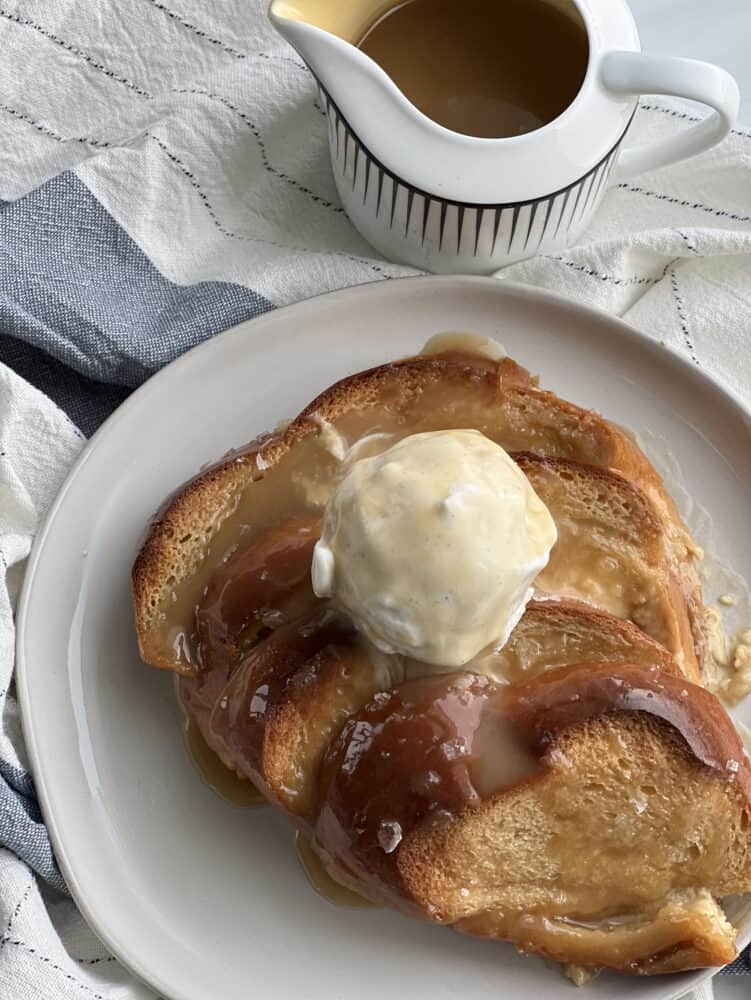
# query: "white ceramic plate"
205 900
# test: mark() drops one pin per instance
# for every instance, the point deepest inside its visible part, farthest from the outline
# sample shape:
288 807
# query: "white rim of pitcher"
483 141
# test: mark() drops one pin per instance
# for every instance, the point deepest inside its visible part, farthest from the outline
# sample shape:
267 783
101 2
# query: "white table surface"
718 31
715 30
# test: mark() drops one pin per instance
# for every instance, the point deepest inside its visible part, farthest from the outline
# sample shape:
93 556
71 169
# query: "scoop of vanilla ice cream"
431 547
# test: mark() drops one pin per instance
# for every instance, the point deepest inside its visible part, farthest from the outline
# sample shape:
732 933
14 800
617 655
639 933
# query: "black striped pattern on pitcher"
514 229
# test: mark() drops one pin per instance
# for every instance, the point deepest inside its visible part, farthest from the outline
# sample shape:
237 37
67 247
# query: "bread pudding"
451 624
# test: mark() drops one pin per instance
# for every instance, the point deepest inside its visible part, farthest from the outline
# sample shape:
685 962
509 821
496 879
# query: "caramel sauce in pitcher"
483 69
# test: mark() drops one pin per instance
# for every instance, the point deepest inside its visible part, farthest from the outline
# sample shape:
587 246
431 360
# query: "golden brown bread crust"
174 544
540 420
688 931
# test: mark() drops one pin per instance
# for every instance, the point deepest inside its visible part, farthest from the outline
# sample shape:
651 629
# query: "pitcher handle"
643 73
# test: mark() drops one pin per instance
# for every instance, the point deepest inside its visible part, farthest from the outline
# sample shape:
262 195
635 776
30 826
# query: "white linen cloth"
198 129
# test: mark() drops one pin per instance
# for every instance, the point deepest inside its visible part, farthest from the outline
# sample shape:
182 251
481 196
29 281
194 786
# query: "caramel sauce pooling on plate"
320 879
226 783
242 792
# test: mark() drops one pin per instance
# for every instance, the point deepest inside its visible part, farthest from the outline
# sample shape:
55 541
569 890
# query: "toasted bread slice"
590 816
293 472
612 551
257 589
286 701
557 633
322 673
263 686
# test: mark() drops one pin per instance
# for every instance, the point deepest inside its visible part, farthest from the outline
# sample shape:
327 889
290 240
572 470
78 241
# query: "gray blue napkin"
84 315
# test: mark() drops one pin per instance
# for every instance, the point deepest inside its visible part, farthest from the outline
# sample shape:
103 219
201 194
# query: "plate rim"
618 327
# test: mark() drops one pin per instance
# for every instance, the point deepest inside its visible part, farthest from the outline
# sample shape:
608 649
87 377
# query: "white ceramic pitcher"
446 202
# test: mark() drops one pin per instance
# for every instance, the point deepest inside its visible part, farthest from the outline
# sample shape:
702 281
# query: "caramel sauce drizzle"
433 748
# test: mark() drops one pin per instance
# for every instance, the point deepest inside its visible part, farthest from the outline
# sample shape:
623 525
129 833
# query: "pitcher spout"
348 21
325 35
357 93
